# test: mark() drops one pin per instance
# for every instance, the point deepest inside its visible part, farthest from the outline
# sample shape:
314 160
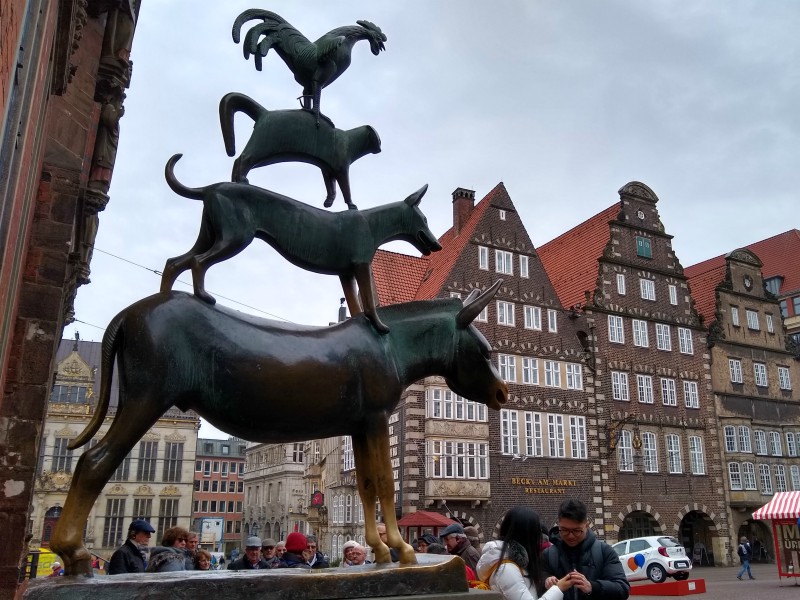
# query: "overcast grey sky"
563 101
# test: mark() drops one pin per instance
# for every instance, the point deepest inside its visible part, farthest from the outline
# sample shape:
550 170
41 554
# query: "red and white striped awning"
784 505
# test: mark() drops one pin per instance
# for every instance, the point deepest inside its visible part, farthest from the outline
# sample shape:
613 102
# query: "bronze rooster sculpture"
315 65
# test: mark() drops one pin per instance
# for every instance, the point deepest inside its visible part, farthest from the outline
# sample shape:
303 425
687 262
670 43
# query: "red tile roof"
425 518
441 263
571 259
780 255
397 276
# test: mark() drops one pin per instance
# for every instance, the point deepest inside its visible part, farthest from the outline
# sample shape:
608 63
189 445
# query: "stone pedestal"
434 578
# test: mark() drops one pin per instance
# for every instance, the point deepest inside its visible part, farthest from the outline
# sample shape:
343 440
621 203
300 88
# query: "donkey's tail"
111 342
177 186
228 106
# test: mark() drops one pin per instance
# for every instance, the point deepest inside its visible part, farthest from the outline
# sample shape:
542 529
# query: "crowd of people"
526 562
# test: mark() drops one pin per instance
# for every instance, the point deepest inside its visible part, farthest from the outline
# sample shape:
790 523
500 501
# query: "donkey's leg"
366 288
92 472
374 472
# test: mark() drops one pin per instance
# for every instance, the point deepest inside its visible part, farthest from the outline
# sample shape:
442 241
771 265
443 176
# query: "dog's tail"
177 186
228 106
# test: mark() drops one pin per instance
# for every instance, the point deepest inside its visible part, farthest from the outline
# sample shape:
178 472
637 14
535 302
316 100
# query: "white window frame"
673 294
765 479
745 439
509 432
619 386
552 373
780 478
502 214
749 476
794 474
770 323
552 320
783 378
760 374
669 392
577 437
625 451
483 316
555 436
752 319
663 337
640 337
483 258
533 434
775 446
691 395
697 460
644 387
507 367
650 452
504 262
760 437
731 441
735 315
524 270
505 313
574 376
735 368
647 289
791 444
533 317
530 370
621 289
616 333
674 459
735 476
685 343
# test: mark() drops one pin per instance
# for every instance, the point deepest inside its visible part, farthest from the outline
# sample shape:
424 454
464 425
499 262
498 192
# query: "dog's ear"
415 198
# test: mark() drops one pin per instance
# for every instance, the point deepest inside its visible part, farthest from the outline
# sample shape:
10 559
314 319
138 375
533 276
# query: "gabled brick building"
457 457
659 446
754 375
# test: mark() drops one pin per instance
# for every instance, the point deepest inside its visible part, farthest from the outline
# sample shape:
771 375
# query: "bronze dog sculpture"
291 135
317 240
303 382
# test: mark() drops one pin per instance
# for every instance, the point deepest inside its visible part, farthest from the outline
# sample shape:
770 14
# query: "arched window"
348 512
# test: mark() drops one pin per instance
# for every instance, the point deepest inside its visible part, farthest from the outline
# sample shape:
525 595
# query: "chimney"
463 203
342 311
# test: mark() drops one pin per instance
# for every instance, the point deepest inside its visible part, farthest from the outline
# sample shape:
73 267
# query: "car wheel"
656 573
681 576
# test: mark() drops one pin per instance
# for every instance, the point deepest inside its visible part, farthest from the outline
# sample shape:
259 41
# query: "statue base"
435 577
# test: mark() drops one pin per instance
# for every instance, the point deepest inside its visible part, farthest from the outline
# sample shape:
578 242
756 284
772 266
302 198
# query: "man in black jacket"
598 572
129 558
252 557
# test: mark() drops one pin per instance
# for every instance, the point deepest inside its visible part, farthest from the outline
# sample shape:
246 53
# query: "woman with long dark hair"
512 564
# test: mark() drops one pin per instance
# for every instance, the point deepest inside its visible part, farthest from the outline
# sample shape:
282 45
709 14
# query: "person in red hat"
297 553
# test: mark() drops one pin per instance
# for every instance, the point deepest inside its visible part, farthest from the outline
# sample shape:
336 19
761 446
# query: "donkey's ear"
474 304
414 198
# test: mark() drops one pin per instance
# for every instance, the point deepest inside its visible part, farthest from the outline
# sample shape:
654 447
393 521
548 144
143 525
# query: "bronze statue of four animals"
177 349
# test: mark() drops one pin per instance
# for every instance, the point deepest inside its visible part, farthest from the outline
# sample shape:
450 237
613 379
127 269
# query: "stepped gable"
571 259
780 255
397 276
441 263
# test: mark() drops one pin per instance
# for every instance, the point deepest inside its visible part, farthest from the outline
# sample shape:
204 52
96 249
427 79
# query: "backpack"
483 584
596 550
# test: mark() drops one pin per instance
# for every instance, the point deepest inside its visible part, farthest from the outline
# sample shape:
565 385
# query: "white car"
656 558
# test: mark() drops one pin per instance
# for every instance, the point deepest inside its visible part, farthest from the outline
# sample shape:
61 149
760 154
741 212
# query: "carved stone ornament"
116 490
637 189
170 490
66 432
144 490
745 256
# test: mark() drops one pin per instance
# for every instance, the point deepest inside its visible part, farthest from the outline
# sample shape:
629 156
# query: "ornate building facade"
154 482
755 374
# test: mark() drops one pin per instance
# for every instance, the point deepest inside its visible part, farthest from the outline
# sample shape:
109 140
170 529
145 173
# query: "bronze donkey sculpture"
317 240
305 382
290 135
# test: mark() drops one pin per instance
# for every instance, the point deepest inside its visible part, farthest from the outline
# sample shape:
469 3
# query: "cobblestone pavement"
721 584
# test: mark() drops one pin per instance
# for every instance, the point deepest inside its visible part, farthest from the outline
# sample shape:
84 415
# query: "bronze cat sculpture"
291 135
317 240
269 381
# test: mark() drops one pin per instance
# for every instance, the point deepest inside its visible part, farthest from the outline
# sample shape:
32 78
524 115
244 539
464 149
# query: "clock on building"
640 214
748 282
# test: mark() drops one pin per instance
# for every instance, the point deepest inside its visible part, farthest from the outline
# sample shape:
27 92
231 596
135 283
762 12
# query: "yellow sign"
533 485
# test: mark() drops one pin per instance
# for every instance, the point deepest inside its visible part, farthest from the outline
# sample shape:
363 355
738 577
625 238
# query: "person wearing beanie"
129 558
252 556
347 551
473 537
296 546
425 541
